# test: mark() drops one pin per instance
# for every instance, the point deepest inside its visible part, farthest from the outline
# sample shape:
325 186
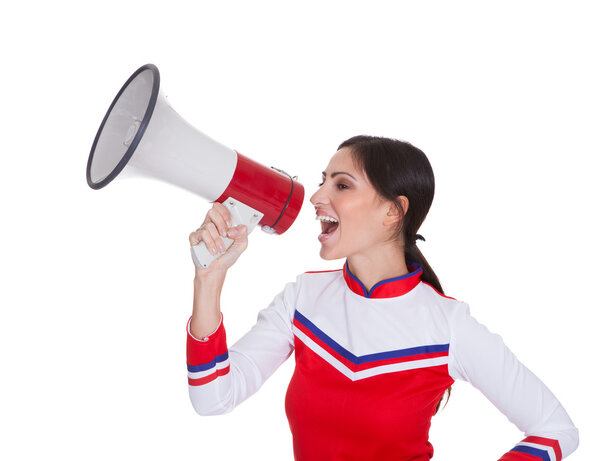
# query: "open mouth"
327 229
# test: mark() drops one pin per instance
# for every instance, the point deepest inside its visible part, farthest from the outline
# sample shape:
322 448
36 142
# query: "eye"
340 186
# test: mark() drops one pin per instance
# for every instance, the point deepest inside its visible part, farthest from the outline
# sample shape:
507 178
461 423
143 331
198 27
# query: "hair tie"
413 241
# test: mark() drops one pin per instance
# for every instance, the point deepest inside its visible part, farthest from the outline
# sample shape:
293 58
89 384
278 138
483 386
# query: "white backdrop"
96 290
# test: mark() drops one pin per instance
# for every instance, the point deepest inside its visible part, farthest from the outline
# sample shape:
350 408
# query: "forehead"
343 160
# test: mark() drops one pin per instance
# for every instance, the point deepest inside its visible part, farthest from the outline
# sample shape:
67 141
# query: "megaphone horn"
142 131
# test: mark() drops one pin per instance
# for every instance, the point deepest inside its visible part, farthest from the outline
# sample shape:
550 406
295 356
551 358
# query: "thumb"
237 231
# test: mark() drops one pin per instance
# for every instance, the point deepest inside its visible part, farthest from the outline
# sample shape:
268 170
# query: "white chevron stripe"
210 371
354 376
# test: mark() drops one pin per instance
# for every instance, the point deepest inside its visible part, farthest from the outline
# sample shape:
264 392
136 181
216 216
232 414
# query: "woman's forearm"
206 313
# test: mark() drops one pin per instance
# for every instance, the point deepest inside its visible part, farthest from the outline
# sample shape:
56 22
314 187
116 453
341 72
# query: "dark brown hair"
397 168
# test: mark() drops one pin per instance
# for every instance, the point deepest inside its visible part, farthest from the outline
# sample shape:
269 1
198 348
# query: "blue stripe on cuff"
542 454
208 365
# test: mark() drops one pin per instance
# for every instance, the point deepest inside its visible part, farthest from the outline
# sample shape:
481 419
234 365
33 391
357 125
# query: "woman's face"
365 222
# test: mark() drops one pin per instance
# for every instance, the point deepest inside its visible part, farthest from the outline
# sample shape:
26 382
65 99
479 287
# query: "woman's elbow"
573 441
204 408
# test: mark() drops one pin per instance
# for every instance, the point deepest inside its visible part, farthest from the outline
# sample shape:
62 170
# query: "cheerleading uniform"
371 367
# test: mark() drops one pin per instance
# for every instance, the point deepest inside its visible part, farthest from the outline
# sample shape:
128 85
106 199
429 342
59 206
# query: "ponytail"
397 168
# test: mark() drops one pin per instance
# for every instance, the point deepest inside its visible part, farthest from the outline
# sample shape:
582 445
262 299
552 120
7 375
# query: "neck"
379 264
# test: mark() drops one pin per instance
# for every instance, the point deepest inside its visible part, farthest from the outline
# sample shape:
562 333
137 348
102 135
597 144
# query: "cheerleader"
377 343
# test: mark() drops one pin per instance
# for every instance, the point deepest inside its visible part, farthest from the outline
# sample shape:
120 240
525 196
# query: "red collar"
388 288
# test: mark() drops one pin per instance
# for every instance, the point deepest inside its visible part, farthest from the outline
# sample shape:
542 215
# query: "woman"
377 343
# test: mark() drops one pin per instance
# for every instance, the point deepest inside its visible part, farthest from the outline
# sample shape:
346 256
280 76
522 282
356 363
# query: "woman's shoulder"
309 283
322 271
319 276
309 280
449 307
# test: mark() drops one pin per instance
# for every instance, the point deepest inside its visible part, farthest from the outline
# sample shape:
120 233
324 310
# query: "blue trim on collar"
368 294
355 278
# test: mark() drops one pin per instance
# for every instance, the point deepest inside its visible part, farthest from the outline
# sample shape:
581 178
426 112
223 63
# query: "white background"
96 290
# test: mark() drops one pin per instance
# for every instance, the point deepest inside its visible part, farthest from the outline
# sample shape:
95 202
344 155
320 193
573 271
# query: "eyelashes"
340 186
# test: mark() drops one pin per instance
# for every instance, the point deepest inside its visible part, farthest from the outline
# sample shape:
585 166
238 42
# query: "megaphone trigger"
240 214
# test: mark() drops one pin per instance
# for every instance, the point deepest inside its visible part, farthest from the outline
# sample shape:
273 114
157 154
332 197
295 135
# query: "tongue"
330 227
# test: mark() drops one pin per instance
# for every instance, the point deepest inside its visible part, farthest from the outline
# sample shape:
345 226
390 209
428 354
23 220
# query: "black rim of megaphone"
138 136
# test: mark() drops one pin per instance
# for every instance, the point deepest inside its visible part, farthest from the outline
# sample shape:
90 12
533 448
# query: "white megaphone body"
142 131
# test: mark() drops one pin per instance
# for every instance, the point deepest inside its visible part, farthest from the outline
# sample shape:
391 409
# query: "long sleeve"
481 358
220 378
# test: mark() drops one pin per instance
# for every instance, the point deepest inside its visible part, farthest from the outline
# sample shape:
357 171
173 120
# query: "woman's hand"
216 225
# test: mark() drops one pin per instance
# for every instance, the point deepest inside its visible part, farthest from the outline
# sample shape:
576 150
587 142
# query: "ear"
393 215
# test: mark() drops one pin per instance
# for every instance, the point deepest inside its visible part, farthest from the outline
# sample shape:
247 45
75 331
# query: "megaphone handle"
240 214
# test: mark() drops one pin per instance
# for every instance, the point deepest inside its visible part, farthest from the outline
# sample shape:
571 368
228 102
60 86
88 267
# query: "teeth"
326 218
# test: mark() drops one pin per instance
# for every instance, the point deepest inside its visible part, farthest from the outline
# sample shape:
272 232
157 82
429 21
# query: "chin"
329 256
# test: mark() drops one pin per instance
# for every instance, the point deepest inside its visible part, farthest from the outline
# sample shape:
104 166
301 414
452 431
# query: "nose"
317 197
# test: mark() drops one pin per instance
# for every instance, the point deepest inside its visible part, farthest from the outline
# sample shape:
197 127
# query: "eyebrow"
334 174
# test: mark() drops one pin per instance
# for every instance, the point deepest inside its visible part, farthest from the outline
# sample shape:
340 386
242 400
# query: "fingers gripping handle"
240 214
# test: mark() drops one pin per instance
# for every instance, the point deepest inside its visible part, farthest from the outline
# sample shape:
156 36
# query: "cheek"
357 213
359 222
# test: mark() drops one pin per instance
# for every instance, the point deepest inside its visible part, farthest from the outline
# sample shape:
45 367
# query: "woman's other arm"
481 358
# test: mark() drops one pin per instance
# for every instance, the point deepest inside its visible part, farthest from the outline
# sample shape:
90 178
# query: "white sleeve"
220 378
481 358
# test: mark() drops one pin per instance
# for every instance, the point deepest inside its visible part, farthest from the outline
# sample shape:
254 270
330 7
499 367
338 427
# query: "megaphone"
142 131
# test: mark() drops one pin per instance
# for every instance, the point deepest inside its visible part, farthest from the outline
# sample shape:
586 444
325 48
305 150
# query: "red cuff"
207 359
518 456
205 338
